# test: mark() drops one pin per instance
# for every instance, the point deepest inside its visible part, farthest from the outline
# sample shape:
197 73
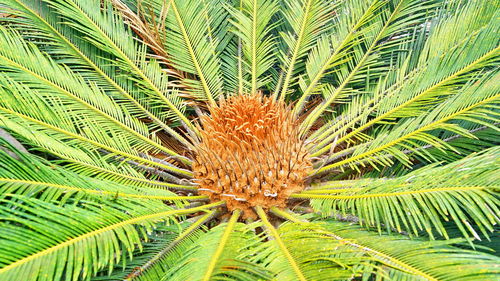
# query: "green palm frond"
421 200
253 25
324 259
29 67
473 104
108 34
192 50
372 28
157 240
52 182
215 256
406 259
48 134
397 257
435 78
164 259
92 232
36 21
308 21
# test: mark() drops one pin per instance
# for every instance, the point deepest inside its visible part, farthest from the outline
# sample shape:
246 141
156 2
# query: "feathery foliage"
391 105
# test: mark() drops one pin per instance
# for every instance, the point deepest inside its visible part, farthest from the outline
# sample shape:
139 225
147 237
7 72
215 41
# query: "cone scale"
250 154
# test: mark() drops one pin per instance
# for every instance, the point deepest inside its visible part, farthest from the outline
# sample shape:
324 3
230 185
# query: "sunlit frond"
92 234
462 192
308 21
431 82
52 182
106 31
325 258
254 27
37 20
473 103
192 49
406 259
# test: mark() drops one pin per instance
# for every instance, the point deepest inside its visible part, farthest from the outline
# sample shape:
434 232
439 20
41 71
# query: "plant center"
250 154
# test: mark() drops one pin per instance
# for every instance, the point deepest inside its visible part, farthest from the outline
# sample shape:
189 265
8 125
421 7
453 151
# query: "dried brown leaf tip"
250 154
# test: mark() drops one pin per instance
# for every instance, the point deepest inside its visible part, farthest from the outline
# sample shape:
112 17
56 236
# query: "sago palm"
249 139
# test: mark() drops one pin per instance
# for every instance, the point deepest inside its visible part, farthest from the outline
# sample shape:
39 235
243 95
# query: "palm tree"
249 140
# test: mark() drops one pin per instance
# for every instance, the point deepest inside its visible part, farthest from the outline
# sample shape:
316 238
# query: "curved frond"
463 192
191 50
160 238
216 256
156 266
325 258
411 259
35 19
475 103
308 21
51 182
253 26
16 110
105 30
430 83
367 34
86 240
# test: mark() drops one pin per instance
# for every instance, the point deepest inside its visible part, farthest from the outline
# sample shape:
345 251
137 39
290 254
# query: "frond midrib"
274 234
194 59
401 264
407 136
222 242
296 50
325 66
442 82
315 114
116 194
387 194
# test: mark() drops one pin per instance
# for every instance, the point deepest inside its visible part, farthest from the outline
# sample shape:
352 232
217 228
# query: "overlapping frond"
105 30
474 103
40 20
89 236
37 20
308 20
215 255
156 266
425 85
325 258
192 48
169 260
27 66
462 192
79 145
31 80
52 183
157 240
357 52
411 259
253 25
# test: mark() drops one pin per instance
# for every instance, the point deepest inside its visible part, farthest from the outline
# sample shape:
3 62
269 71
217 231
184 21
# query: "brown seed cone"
250 154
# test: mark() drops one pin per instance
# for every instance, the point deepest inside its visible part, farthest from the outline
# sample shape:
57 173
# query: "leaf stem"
222 243
274 233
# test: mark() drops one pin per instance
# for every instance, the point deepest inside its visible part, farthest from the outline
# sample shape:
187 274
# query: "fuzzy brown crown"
250 154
